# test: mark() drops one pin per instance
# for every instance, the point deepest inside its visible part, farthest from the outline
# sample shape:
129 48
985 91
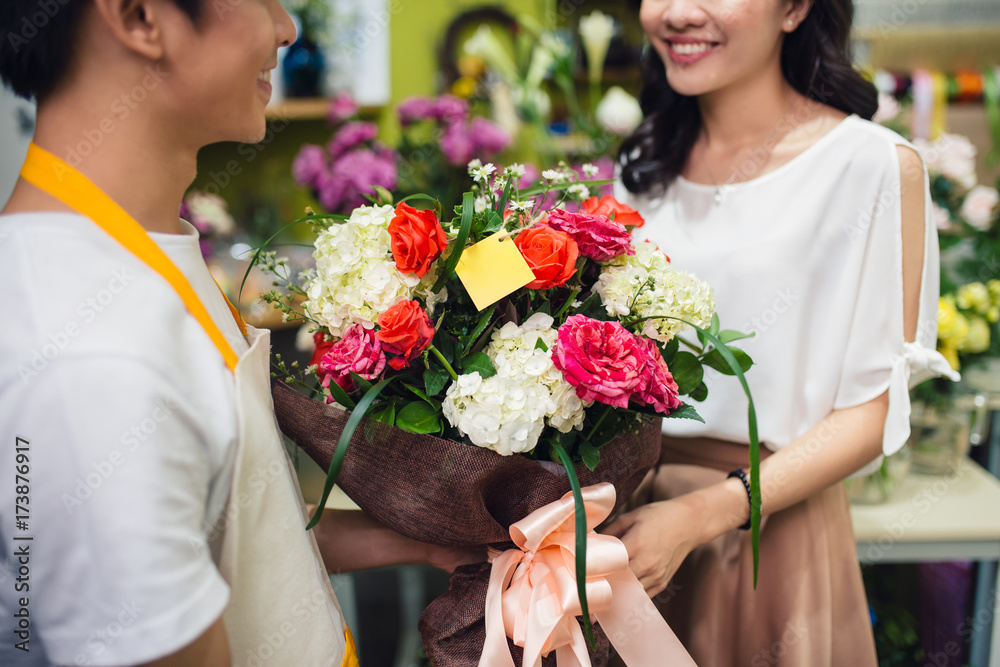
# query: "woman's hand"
658 537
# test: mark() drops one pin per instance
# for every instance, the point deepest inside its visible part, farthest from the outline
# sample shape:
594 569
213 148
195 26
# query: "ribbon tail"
495 650
636 628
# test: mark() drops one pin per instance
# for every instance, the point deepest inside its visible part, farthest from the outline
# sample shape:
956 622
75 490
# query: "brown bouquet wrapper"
452 494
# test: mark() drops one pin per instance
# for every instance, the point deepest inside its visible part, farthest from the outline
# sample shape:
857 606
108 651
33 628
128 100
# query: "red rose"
551 254
406 330
417 239
322 347
607 205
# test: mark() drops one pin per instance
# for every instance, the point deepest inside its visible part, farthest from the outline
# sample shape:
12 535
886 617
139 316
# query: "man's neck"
132 159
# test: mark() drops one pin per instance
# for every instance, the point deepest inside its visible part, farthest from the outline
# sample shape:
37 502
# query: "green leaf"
340 395
686 412
731 335
687 371
700 393
383 197
494 223
421 395
419 196
480 362
581 539
669 351
539 189
442 341
591 455
364 384
540 345
386 415
502 204
343 443
468 208
418 417
435 379
484 321
716 360
702 337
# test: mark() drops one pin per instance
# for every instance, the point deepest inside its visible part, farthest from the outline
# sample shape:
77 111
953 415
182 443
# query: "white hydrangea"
508 412
356 279
646 286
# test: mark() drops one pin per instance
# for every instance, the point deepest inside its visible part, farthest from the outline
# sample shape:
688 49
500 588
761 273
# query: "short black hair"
38 41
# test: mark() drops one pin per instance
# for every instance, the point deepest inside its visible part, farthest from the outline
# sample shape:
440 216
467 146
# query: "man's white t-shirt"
129 416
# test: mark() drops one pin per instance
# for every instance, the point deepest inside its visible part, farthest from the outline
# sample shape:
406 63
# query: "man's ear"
136 24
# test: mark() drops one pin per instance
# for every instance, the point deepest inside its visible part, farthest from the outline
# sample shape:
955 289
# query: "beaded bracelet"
742 475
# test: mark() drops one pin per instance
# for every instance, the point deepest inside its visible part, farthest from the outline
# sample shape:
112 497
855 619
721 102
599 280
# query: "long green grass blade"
581 539
468 208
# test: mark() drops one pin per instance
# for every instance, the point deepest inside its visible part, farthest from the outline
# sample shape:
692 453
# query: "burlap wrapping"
449 493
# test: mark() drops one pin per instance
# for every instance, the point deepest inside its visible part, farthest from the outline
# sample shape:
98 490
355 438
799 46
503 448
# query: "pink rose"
598 237
656 385
359 351
979 207
601 359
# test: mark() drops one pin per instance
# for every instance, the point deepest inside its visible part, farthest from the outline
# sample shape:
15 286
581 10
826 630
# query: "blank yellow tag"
492 269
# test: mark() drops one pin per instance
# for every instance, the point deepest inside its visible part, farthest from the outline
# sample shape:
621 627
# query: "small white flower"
520 205
474 164
483 173
590 169
578 191
515 170
553 175
479 204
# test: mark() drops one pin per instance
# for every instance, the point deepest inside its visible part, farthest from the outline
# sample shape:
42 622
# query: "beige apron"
282 610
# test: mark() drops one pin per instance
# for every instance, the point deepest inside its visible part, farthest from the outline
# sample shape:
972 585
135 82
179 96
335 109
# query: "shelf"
312 108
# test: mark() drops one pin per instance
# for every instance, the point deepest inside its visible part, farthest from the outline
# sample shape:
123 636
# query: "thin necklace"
722 189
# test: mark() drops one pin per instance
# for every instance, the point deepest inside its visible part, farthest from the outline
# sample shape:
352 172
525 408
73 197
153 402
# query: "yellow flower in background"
953 328
951 354
974 296
994 287
978 339
993 315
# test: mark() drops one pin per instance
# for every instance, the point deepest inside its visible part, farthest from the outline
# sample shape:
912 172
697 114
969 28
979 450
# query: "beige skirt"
809 608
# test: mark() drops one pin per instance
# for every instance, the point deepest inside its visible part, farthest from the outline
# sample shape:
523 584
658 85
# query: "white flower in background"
618 113
942 219
209 212
474 163
888 108
356 279
558 47
542 61
646 286
534 99
484 44
596 31
479 204
508 412
553 175
578 191
483 173
590 169
951 155
515 170
979 207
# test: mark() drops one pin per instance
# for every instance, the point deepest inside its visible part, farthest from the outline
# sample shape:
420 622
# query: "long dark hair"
815 60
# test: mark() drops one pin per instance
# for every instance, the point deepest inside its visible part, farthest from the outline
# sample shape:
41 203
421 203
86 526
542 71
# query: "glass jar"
879 486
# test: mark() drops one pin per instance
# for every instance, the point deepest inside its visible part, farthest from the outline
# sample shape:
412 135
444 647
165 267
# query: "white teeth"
690 49
265 76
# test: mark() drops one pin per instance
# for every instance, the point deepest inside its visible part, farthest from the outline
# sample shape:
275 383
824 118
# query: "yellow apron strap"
47 172
350 652
233 309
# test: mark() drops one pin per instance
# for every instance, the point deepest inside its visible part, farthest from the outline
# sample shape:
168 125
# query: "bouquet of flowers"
474 367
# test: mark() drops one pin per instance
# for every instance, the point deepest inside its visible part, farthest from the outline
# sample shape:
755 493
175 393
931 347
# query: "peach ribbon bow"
532 596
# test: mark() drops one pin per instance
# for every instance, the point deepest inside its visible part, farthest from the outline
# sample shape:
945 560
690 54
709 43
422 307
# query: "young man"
148 513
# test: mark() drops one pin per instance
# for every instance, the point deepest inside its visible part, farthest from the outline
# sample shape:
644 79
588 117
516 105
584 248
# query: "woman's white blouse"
808 257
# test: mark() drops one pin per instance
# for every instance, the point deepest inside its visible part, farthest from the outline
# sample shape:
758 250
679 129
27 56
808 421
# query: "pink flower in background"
488 136
457 144
330 190
656 385
414 109
309 165
531 175
599 238
602 360
359 351
353 175
349 136
450 109
341 108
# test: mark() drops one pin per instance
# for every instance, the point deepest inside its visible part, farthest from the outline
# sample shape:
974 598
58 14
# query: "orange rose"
417 239
550 253
607 205
406 330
